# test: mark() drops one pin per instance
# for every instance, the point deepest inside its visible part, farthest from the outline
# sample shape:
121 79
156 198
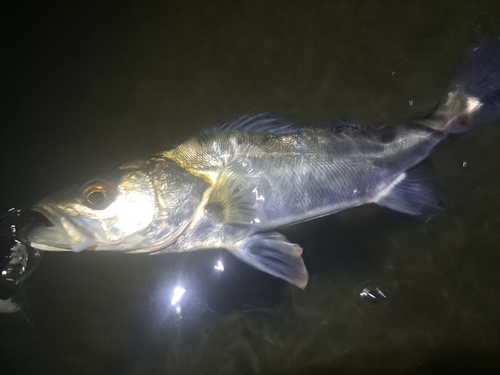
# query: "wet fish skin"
310 172
231 187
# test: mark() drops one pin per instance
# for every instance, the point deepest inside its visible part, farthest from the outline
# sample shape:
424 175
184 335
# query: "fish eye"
97 194
97 197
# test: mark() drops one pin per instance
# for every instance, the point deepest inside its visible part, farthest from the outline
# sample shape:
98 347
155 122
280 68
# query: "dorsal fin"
270 123
264 122
341 123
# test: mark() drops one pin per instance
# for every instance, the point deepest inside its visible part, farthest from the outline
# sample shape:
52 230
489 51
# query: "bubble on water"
17 260
372 295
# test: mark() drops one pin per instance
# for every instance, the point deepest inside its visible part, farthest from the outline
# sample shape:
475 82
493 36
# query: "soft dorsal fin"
270 123
262 123
341 123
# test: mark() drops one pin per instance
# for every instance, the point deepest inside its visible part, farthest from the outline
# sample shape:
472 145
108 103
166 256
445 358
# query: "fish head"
105 213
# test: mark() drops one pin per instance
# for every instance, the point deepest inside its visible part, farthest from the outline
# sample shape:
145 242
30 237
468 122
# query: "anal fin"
413 192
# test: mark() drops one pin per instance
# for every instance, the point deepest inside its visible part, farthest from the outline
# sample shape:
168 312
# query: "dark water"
89 85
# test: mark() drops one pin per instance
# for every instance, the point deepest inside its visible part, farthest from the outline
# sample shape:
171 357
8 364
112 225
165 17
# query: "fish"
234 186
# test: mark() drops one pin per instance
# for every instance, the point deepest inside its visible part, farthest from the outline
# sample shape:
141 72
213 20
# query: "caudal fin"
474 98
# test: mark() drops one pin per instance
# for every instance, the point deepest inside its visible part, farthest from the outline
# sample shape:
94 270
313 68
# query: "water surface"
89 86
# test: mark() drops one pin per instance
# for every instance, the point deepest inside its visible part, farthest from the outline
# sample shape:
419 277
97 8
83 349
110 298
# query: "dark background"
89 85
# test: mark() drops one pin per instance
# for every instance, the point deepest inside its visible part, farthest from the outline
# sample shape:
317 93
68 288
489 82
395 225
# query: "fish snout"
57 232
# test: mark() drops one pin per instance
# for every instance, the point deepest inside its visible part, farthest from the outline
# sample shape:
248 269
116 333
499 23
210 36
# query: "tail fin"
474 98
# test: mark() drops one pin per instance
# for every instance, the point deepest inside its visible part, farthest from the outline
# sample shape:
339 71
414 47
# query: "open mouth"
56 233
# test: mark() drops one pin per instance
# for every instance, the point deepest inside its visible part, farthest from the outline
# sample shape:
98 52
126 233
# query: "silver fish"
231 187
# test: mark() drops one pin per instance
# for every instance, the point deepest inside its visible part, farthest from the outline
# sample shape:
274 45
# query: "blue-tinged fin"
480 73
273 254
413 192
262 123
474 98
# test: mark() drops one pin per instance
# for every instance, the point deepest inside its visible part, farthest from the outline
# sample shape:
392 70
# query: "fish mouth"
62 234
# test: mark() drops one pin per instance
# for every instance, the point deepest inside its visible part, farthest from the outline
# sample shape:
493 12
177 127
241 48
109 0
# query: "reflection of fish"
232 186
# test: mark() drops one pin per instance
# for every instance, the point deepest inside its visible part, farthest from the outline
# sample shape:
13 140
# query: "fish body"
231 187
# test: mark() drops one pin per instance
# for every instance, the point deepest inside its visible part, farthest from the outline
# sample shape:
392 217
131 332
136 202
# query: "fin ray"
231 200
264 122
474 98
414 193
274 254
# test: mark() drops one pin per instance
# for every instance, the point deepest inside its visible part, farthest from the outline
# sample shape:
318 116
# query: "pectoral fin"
231 200
272 253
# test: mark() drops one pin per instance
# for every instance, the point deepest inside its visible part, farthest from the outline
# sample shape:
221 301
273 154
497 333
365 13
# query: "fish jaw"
64 234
